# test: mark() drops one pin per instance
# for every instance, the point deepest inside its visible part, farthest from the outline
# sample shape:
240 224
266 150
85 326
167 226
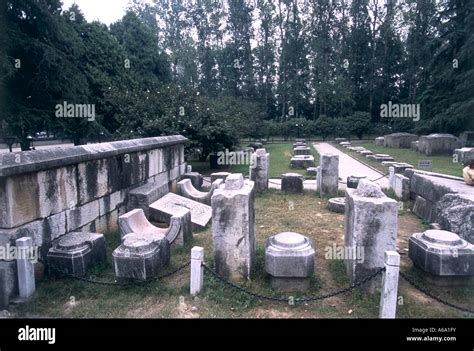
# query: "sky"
106 11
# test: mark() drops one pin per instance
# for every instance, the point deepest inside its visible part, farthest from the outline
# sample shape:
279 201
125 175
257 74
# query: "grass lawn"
441 164
280 156
169 298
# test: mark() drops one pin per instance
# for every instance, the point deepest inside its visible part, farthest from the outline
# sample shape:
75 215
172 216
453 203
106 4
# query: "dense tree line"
217 70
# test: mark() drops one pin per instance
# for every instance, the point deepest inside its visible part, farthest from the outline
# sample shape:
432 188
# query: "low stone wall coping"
39 160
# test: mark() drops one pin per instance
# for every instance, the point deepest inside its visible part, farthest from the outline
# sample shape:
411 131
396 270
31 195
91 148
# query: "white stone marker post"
233 227
25 268
197 270
388 295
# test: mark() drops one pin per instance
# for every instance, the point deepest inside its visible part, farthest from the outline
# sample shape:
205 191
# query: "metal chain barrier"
299 300
427 293
273 183
374 180
104 283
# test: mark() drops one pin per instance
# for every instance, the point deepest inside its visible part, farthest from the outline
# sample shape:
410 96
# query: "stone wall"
47 193
443 199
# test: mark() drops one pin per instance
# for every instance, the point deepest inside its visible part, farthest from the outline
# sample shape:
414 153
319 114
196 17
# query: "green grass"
280 156
441 164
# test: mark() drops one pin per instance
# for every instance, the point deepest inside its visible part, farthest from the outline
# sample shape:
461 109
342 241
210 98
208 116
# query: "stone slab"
172 204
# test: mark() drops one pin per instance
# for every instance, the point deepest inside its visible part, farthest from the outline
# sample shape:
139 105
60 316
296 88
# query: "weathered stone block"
425 209
353 180
467 139
301 150
107 223
8 282
186 189
175 173
82 215
356 148
401 187
134 222
438 144
111 202
379 141
302 161
434 187
399 140
19 206
455 212
42 231
464 154
382 157
259 170
233 227
141 257
58 190
195 177
289 260
441 253
75 253
292 183
219 175
155 162
312 171
337 204
174 205
143 196
328 177
400 167
92 180
299 144
371 223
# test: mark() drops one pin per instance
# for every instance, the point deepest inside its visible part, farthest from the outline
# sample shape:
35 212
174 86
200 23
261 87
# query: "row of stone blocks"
144 250
439 253
259 171
433 144
371 222
302 158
